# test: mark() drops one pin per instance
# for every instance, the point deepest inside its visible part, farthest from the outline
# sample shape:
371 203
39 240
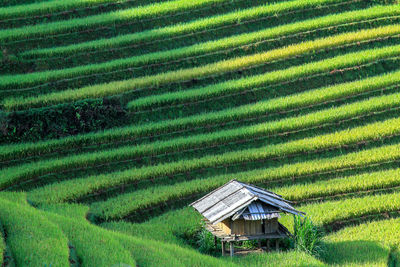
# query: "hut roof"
257 210
235 198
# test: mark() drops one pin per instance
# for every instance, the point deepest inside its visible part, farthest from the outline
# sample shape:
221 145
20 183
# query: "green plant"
137 133
375 243
205 242
307 236
146 82
181 28
156 9
80 187
199 49
394 257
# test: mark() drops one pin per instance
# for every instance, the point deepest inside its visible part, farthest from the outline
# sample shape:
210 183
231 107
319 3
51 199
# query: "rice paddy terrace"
117 114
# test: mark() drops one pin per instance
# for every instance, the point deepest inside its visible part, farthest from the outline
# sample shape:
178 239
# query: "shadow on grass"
363 253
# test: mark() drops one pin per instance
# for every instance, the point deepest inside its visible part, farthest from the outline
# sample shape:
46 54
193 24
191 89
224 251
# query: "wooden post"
268 245
277 244
232 249
223 247
259 244
215 242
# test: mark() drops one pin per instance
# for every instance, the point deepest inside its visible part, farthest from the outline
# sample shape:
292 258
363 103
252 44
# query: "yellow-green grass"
36 169
325 213
198 94
32 238
47 225
153 253
330 93
2 245
114 17
93 245
162 228
44 7
121 206
159 195
368 244
166 227
73 189
291 258
8 81
118 87
100 247
349 184
18 198
214 21
38 238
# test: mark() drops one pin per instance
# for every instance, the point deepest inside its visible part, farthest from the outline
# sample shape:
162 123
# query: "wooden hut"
237 211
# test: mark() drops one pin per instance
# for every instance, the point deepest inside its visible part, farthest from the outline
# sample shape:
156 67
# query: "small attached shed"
237 211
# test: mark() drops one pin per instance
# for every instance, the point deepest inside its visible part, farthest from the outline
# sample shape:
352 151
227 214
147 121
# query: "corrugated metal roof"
236 196
257 210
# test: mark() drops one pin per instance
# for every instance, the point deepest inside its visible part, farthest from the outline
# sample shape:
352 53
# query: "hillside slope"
117 114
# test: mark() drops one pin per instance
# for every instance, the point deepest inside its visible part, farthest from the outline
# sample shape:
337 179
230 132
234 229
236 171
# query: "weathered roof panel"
215 198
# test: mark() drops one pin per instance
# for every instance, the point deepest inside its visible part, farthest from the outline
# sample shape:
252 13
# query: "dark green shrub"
205 242
61 120
394 257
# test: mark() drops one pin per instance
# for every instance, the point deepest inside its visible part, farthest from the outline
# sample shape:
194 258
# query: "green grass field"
115 115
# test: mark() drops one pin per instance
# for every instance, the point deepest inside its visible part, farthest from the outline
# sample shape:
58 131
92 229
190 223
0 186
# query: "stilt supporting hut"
237 211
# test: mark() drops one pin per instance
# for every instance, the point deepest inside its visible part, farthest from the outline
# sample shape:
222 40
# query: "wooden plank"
254 237
218 232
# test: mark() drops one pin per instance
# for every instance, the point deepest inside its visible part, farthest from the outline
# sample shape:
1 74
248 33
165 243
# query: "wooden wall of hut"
244 227
225 226
271 226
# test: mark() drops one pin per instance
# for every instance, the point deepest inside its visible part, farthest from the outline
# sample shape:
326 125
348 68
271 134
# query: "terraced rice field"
117 114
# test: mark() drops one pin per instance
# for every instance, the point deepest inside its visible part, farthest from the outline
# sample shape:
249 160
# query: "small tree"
307 236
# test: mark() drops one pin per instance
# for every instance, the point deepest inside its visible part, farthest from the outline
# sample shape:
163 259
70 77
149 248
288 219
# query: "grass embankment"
48 235
201 25
96 246
352 208
112 88
235 86
2 245
29 232
122 206
73 189
277 54
158 195
169 228
301 100
369 244
31 170
45 7
114 17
